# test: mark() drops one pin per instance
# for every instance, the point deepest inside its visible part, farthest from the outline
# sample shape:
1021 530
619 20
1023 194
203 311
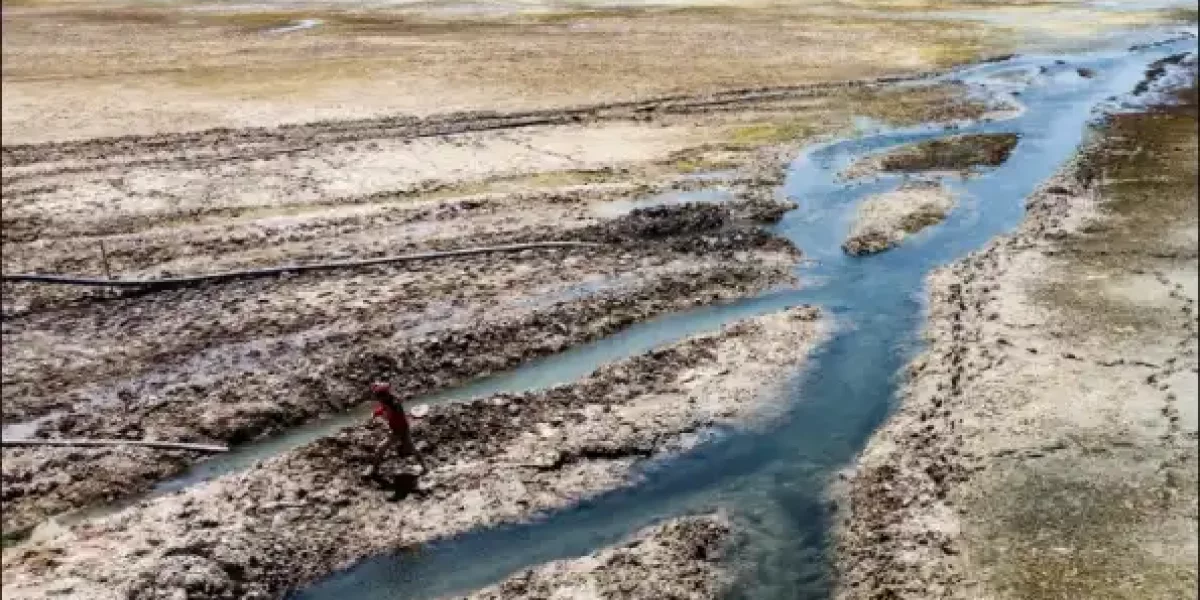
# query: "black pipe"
273 271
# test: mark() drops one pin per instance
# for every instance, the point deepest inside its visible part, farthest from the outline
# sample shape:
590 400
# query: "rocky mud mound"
957 154
696 227
679 559
884 220
310 511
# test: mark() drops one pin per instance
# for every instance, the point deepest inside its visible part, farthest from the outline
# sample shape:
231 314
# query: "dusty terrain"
307 512
152 68
884 220
1045 446
677 560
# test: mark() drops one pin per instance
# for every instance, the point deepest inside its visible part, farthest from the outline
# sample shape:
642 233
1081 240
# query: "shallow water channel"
773 481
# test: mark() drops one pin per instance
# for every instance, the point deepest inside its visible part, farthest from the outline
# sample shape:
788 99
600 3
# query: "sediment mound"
884 220
960 153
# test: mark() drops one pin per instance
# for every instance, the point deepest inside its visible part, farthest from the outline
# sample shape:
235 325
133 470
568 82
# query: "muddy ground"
235 361
233 375
883 221
677 560
1046 443
149 141
310 511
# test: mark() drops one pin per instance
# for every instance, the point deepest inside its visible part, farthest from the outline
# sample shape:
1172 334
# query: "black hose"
273 271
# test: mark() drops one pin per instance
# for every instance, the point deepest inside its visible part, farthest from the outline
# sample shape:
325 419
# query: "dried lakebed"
303 514
776 480
883 220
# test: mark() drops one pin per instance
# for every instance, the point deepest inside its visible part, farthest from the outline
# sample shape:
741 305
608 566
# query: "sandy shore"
883 221
310 511
679 559
1045 446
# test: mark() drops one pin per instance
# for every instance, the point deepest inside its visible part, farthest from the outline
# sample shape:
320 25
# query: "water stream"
775 480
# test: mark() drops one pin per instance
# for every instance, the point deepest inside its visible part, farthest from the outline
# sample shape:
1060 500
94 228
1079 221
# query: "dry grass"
190 68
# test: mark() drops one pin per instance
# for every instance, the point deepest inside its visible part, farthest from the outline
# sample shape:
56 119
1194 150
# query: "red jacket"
396 420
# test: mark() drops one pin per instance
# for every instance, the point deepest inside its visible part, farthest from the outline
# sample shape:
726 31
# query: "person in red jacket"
388 408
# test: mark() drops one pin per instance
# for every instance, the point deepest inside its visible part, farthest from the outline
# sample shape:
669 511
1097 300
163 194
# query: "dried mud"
1045 445
313 510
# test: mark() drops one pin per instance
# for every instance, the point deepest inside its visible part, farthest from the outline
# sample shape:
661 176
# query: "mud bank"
679 559
505 458
956 154
884 220
1045 444
284 367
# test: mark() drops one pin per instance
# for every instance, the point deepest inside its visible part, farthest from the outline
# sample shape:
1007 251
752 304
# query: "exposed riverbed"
774 477
777 479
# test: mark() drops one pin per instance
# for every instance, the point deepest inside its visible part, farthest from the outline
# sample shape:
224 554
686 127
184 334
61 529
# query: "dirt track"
1045 446
305 513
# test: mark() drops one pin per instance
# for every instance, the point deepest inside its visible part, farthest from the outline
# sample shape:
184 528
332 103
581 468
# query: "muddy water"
775 481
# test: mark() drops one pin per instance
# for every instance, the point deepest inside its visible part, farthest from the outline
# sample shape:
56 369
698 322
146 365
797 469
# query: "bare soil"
310 511
235 362
677 560
1046 443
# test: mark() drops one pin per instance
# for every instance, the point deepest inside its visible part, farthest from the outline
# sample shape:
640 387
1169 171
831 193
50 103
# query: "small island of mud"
883 220
956 154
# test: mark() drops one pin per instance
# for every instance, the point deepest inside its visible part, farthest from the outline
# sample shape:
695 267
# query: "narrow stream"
775 481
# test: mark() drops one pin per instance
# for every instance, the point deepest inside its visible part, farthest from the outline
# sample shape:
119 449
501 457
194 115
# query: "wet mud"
282 367
311 511
680 559
955 154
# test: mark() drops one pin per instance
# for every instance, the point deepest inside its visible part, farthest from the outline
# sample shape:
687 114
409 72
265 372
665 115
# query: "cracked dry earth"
1046 444
310 511
676 560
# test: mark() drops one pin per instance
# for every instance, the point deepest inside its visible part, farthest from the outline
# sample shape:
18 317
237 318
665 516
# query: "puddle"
775 480
300 25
